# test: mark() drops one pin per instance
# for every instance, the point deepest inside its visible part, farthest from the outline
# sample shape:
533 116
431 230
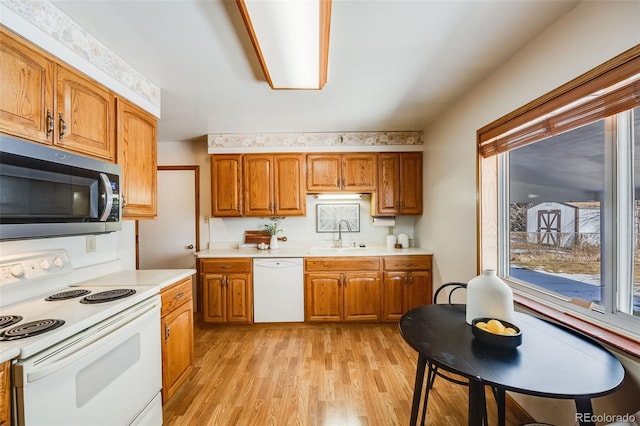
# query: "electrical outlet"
91 243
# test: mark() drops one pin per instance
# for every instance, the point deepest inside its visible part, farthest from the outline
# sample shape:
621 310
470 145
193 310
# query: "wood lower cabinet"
138 156
407 284
227 290
177 336
5 393
353 294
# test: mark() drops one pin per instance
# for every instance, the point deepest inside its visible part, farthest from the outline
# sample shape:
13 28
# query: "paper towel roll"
384 221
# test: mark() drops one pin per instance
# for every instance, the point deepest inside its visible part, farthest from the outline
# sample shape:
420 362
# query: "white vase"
489 297
273 244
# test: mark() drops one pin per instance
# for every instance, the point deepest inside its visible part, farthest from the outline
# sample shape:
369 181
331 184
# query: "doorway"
169 241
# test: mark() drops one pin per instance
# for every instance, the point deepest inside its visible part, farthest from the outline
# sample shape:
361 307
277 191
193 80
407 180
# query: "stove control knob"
58 262
17 271
44 264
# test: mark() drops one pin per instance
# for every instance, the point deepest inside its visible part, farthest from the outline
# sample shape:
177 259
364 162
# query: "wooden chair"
433 371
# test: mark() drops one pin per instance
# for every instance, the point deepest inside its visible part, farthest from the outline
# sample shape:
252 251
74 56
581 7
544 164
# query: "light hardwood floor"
311 374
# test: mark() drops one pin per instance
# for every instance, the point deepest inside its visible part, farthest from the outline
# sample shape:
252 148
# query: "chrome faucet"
338 243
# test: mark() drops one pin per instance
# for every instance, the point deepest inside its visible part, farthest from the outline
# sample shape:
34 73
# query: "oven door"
109 374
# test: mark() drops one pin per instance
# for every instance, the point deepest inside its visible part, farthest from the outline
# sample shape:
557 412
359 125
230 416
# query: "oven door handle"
71 352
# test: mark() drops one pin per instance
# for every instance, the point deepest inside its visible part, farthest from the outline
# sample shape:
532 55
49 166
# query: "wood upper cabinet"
85 115
399 189
26 85
407 284
273 185
227 290
177 336
79 115
137 154
226 185
342 289
349 172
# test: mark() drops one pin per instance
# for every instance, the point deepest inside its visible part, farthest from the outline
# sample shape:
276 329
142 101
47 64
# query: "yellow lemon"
482 325
495 326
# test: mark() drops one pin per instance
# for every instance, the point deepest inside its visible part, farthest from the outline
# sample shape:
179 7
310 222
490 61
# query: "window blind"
610 88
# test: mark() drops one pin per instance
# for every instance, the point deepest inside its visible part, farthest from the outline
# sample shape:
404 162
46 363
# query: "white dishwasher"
278 290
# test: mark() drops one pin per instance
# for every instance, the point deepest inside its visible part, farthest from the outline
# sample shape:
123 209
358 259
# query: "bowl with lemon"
496 332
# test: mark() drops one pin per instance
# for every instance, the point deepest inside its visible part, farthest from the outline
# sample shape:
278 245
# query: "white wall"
591 34
223 232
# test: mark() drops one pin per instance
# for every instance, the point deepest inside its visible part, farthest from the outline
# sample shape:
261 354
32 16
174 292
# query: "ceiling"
393 65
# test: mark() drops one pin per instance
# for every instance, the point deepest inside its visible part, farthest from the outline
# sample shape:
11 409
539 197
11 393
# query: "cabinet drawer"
226 266
339 264
175 295
407 263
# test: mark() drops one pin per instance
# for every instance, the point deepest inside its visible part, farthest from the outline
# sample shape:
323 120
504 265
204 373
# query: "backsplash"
302 231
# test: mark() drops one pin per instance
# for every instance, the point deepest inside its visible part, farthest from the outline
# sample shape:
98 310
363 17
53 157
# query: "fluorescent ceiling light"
291 39
338 196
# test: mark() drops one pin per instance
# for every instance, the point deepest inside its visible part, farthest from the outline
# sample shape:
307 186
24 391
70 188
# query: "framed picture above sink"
330 216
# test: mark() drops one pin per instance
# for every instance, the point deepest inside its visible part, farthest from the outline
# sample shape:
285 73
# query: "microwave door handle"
106 184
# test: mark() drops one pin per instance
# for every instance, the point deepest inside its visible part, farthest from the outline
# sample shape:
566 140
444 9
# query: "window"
567 193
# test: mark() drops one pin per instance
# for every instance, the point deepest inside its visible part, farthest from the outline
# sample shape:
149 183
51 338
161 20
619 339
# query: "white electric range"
83 349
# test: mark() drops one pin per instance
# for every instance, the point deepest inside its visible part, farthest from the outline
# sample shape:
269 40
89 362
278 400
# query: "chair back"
452 287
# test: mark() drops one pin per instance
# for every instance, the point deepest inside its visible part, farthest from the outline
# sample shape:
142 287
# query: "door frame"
196 170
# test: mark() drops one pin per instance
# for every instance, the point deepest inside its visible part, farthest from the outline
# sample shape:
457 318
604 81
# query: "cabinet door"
258 185
137 154
411 183
26 85
419 289
359 172
214 297
239 298
177 348
289 194
323 297
5 393
362 291
394 289
226 185
85 116
388 193
323 172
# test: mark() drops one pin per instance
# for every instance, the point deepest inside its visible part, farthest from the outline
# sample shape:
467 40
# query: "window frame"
536 121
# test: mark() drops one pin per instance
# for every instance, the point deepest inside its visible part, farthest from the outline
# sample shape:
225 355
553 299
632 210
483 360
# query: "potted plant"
272 229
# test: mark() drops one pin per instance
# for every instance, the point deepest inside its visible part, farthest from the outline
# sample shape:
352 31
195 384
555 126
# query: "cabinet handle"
50 123
167 332
275 207
397 204
402 205
225 267
63 127
227 282
124 200
178 296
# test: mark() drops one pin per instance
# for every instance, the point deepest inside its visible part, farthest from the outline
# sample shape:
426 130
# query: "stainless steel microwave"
45 192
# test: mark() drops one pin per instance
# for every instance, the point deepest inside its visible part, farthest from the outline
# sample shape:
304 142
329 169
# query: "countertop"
311 252
146 277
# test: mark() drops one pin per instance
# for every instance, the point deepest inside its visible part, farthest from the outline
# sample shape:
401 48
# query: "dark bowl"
507 341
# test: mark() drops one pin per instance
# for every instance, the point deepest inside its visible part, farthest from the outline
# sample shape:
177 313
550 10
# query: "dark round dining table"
552 362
